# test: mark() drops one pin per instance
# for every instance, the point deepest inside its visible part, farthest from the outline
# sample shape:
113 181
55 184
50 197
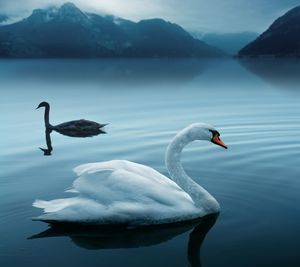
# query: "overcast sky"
198 15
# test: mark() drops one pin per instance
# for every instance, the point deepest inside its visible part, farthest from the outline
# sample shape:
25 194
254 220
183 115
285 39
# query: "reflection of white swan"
125 192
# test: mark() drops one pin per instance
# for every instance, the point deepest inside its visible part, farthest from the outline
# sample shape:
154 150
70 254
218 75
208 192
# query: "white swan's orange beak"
216 140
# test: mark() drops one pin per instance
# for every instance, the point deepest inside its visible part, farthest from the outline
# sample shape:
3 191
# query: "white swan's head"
203 131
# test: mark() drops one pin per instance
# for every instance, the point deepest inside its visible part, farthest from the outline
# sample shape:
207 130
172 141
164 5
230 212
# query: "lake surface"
255 105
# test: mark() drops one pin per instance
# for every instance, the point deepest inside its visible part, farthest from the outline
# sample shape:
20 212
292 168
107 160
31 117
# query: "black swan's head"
43 104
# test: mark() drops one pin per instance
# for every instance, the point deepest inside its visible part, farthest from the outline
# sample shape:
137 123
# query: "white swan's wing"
121 192
120 180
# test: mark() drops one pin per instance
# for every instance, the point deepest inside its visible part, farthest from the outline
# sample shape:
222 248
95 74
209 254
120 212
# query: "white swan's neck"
200 196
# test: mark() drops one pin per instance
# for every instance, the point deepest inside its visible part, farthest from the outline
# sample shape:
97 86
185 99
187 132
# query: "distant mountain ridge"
67 31
3 18
282 38
230 43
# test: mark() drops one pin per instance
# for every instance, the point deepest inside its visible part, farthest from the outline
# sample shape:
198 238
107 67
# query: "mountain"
67 31
3 18
231 43
281 39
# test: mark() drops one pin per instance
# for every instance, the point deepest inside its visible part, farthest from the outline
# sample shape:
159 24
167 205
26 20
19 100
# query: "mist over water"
254 105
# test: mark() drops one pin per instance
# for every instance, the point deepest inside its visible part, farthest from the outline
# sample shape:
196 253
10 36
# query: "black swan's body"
76 128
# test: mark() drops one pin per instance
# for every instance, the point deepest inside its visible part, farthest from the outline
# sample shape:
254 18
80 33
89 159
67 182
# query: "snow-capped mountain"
67 31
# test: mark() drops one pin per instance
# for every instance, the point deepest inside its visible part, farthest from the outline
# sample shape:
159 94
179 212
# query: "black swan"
76 128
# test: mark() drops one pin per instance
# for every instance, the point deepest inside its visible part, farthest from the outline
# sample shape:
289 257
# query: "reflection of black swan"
47 151
76 128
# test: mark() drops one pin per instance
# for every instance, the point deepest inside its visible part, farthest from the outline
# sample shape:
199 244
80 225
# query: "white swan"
124 192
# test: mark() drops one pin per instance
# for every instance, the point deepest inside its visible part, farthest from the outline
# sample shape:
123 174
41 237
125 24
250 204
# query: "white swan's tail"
51 206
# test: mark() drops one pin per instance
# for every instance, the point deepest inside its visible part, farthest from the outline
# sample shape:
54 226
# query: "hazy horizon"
204 16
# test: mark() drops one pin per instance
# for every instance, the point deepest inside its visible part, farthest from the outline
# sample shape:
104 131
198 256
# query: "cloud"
201 15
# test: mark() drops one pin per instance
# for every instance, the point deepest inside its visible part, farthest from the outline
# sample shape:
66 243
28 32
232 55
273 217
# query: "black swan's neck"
46 117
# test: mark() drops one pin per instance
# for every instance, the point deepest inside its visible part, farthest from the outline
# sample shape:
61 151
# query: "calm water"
255 106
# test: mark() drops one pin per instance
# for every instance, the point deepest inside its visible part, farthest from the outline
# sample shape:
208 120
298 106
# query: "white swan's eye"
214 133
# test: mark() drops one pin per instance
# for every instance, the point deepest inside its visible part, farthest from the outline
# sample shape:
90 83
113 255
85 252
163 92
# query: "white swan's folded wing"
120 192
121 180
